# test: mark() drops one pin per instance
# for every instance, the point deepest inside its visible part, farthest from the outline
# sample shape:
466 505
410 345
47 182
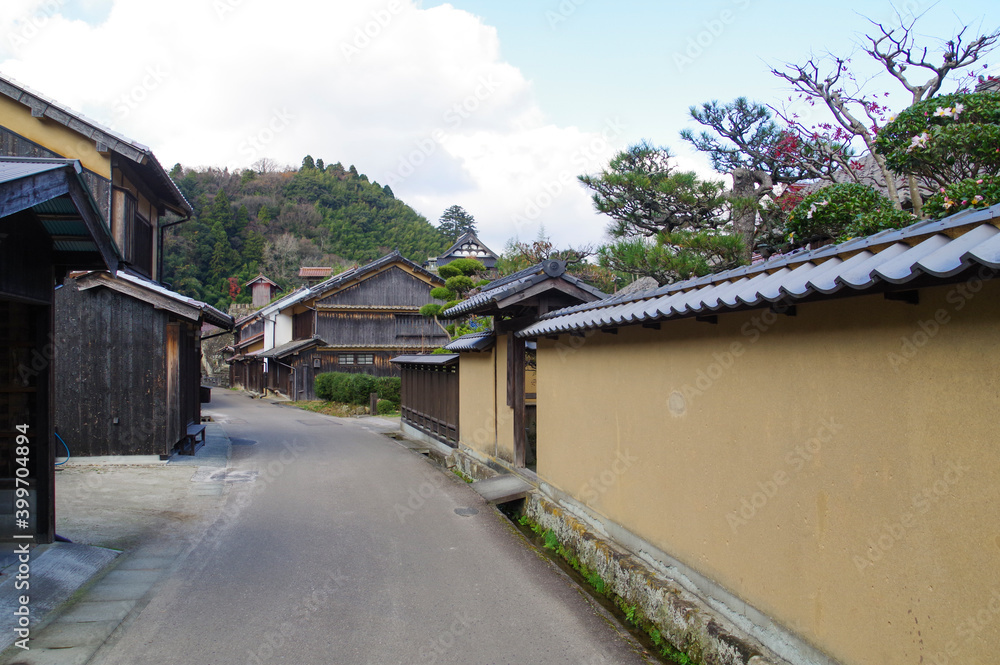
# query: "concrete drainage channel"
546 545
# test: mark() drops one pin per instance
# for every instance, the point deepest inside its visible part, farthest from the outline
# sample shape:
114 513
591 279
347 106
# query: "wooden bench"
191 438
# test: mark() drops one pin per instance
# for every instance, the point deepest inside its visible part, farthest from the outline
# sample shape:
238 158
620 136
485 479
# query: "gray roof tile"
938 249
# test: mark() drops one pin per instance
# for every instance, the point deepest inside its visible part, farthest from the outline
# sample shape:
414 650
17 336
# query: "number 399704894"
22 472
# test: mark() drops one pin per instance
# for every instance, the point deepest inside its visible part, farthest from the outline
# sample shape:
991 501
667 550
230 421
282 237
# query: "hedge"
350 388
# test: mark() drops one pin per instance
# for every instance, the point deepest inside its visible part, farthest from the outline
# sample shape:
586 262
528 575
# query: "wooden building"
129 356
49 224
353 322
262 290
125 326
495 371
468 246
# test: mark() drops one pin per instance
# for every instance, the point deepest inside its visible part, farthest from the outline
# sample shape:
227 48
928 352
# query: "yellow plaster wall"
479 426
60 139
839 470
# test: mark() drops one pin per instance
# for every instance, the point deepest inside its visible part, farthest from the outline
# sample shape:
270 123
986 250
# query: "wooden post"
515 377
373 398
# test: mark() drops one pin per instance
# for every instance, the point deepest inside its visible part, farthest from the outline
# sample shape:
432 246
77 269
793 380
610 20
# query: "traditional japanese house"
49 224
353 322
468 246
129 356
121 331
262 290
490 408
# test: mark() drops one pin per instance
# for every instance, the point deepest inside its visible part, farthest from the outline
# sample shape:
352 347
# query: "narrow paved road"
347 548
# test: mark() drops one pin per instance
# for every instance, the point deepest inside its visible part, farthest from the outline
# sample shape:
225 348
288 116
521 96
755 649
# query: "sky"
493 106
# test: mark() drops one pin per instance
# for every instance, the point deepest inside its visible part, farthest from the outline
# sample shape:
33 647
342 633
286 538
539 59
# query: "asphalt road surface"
347 548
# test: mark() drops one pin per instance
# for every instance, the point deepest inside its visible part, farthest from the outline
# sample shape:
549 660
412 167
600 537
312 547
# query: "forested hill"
276 221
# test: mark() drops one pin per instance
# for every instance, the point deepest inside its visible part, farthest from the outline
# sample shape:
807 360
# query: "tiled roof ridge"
939 249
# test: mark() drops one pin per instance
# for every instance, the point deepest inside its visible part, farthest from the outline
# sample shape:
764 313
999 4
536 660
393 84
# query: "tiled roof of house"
935 250
520 281
479 341
315 271
437 359
465 238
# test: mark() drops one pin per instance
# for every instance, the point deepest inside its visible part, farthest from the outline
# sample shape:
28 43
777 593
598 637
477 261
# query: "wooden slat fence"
430 400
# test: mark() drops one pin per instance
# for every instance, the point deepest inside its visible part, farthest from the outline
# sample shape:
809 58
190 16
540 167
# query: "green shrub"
322 386
388 388
385 406
339 388
947 139
442 293
461 267
360 387
431 309
970 193
844 211
459 284
351 388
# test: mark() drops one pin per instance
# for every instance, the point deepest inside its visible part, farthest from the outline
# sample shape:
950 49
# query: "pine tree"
455 221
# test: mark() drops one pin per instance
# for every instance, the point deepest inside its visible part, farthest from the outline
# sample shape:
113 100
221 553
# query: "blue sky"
588 60
495 106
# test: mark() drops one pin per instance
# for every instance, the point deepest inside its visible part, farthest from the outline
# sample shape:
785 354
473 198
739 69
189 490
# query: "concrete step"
501 489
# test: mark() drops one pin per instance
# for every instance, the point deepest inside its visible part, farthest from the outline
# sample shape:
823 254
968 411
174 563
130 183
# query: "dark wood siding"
430 401
111 363
390 288
249 330
357 328
25 388
25 259
303 325
366 329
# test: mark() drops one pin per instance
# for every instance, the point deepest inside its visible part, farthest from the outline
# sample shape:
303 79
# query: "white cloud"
416 98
